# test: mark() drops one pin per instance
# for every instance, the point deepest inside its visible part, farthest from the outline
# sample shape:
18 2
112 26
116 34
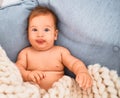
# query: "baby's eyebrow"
50 26
32 26
46 26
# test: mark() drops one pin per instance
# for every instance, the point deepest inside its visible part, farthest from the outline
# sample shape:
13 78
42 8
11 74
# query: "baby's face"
42 32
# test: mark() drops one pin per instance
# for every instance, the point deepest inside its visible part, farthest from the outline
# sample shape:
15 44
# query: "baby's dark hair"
42 10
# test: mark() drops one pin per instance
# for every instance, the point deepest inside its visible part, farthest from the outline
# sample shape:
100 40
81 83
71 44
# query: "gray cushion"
13 20
89 29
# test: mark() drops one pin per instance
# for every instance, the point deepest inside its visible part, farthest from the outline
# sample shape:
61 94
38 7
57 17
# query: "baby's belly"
50 78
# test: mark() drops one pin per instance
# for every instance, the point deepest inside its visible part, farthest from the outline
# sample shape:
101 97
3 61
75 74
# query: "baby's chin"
42 48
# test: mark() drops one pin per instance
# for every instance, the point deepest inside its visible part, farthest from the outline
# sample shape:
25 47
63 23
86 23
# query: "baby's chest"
49 62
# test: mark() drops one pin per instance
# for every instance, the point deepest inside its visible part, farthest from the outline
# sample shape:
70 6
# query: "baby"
43 62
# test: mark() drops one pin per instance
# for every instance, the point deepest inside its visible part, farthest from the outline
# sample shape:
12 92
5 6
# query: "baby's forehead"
47 20
41 14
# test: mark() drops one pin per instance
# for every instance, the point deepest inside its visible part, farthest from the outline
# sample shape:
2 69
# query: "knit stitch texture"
106 83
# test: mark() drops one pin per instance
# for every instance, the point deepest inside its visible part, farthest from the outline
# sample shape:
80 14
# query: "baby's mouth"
40 41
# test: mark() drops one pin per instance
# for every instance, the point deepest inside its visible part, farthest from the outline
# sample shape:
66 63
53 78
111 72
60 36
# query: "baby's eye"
34 29
46 29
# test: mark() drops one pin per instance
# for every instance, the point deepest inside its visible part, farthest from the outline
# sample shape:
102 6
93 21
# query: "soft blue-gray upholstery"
89 29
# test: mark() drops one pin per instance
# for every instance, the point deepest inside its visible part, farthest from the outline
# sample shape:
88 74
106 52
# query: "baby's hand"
84 80
36 76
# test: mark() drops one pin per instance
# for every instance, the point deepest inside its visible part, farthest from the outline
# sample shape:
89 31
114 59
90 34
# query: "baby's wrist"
79 68
27 76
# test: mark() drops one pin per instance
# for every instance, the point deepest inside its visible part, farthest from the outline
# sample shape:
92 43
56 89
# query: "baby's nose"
40 34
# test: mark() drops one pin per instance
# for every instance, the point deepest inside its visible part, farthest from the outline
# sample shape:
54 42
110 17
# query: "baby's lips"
40 41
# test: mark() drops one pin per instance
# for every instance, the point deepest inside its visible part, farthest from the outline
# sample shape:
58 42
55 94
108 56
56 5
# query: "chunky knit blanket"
106 84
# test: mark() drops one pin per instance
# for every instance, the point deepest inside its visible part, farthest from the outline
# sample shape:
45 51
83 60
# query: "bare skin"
43 63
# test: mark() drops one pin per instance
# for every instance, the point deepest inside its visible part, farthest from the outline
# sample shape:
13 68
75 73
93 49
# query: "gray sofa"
89 29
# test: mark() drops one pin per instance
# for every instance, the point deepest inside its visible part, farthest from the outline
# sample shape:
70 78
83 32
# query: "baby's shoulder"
61 49
25 50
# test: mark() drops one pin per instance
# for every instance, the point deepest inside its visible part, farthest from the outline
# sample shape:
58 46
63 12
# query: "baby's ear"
56 34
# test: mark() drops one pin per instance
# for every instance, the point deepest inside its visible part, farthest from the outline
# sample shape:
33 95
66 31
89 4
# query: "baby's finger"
32 78
37 77
84 85
80 82
42 75
88 84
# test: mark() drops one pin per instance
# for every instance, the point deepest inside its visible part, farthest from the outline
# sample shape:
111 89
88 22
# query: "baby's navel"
57 66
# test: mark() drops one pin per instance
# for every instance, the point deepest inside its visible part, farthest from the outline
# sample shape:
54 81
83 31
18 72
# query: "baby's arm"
31 76
22 64
78 68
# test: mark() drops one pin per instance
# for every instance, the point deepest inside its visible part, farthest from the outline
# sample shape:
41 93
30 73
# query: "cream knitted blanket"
106 84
